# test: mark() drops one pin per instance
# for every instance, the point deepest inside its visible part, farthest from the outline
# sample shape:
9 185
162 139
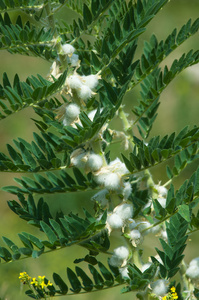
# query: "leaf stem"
58 46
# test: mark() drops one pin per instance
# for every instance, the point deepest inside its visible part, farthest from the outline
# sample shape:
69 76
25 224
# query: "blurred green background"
179 107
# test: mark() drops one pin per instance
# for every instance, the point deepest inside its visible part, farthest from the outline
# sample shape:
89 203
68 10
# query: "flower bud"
94 162
68 49
125 211
114 221
160 287
72 111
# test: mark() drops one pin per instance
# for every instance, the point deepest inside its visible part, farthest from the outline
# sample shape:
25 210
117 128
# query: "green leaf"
99 282
87 14
87 282
61 284
106 273
49 232
184 211
5 254
74 281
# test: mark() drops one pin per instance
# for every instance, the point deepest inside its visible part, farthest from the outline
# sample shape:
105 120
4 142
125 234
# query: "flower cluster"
40 282
110 176
172 295
193 269
119 257
159 287
80 88
24 277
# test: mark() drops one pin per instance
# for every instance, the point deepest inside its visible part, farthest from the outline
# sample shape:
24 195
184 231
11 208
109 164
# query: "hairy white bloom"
127 190
119 257
124 272
132 224
160 287
94 162
143 225
135 237
74 82
74 60
118 167
162 191
111 176
121 252
125 211
72 111
54 70
79 158
68 49
111 181
91 81
100 197
114 221
193 269
84 92
135 234
162 201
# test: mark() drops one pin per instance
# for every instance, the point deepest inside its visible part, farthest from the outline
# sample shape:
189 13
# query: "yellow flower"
49 283
175 296
173 289
34 281
24 277
164 298
40 282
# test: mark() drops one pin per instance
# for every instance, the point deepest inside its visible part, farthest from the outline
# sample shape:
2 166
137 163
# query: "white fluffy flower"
91 81
79 158
94 162
118 167
127 190
84 92
119 257
74 60
111 181
193 269
74 82
100 197
72 111
160 287
68 49
125 211
135 234
143 225
114 221
162 191
121 252
132 224
111 176
135 237
124 272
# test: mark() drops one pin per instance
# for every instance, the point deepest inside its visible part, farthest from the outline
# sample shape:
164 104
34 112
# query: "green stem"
129 133
126 126
91 26
58 46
